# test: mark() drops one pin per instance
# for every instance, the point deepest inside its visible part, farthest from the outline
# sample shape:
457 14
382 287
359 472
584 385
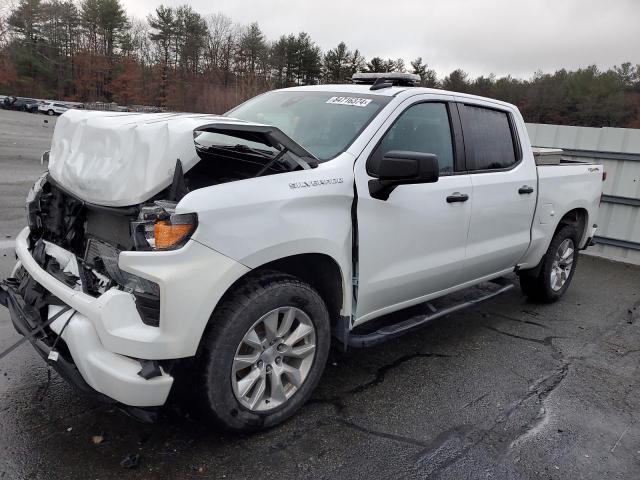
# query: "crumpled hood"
119 159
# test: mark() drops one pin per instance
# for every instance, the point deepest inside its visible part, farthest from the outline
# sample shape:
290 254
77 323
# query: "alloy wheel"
273 359
562 264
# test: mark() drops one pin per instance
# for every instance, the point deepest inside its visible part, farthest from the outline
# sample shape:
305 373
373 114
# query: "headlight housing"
174 232
159 228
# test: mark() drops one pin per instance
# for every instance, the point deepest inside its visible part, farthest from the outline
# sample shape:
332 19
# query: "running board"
400 328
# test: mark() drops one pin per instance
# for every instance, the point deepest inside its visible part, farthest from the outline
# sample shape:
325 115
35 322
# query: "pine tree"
336 64
428 77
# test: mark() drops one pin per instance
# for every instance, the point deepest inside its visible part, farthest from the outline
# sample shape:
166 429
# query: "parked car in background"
53 108
33 107
76 105
21 103
7 101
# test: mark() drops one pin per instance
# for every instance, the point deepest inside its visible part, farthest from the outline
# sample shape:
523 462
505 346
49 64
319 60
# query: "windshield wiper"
241 148
278 158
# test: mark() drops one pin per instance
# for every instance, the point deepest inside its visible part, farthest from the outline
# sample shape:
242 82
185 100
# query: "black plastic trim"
460 159
405 326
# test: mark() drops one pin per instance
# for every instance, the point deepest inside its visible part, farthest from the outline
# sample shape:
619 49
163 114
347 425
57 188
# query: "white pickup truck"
243 245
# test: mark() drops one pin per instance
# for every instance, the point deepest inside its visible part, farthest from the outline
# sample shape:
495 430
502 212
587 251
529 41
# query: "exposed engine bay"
79 242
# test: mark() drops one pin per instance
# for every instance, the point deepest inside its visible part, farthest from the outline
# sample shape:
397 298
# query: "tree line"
91 50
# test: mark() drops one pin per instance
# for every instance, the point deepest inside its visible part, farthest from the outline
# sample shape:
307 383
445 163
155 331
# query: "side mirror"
400 167
44 158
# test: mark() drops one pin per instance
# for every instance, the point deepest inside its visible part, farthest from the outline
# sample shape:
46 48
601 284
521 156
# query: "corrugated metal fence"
618 149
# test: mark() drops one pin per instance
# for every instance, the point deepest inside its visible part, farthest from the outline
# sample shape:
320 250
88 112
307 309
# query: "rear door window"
488 138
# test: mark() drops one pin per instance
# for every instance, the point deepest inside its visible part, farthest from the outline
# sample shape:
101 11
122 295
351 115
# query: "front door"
412 244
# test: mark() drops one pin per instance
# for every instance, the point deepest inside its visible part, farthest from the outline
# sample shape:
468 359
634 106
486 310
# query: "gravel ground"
507 390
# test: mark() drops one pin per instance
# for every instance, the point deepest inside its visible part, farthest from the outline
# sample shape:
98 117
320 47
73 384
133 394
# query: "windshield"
325 123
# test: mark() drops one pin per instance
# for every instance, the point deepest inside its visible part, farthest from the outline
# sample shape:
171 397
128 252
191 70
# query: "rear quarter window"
489 138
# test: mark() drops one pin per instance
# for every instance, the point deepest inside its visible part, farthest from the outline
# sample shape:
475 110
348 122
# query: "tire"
224 378
51 113
554 278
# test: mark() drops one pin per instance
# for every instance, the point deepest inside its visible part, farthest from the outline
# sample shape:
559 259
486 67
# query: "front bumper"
82 359
106 337
103 375
191 280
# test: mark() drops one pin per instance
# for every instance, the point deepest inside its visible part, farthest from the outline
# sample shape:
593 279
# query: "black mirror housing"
399 167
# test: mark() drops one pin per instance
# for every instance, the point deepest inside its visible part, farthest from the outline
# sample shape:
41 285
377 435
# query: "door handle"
457 197
525 190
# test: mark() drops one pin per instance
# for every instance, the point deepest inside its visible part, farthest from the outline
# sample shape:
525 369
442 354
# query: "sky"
517 37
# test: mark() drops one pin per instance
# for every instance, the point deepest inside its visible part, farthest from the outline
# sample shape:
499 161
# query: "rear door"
412 244
504 189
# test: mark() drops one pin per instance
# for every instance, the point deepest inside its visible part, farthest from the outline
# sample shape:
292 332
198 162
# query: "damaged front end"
79 243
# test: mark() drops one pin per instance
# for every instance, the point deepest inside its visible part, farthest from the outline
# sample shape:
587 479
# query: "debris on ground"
131 461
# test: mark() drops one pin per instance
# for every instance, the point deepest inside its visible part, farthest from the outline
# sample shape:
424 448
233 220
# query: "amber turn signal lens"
168 235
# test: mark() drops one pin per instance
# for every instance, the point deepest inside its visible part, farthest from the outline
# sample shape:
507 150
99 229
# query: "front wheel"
51 113
264 352
557 269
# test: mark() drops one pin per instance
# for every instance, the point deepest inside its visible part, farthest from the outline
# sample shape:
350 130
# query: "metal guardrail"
634 202
616 242
632 157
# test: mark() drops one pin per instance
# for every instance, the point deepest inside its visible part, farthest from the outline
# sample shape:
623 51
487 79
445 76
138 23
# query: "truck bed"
554 156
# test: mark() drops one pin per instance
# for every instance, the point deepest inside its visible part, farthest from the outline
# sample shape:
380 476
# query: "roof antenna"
380 83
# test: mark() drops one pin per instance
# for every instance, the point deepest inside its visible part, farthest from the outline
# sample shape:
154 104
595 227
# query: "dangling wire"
50 361
53 347
27 336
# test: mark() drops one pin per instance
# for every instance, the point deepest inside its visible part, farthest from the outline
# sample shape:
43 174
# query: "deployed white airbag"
119 159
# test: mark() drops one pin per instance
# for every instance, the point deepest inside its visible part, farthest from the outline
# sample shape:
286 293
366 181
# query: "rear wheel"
51 113
557 269
264 352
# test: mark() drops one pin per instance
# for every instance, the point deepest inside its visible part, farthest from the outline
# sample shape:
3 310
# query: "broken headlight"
103 257
33 202
158 227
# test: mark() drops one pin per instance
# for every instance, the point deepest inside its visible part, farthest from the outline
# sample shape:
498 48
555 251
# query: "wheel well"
577 218
318 270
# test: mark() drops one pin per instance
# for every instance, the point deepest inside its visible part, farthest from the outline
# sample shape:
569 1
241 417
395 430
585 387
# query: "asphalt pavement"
504 390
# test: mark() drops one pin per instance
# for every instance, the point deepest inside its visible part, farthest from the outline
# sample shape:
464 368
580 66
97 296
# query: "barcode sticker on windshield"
353 101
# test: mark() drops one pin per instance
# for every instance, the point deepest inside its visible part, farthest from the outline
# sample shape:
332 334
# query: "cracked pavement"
506 389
